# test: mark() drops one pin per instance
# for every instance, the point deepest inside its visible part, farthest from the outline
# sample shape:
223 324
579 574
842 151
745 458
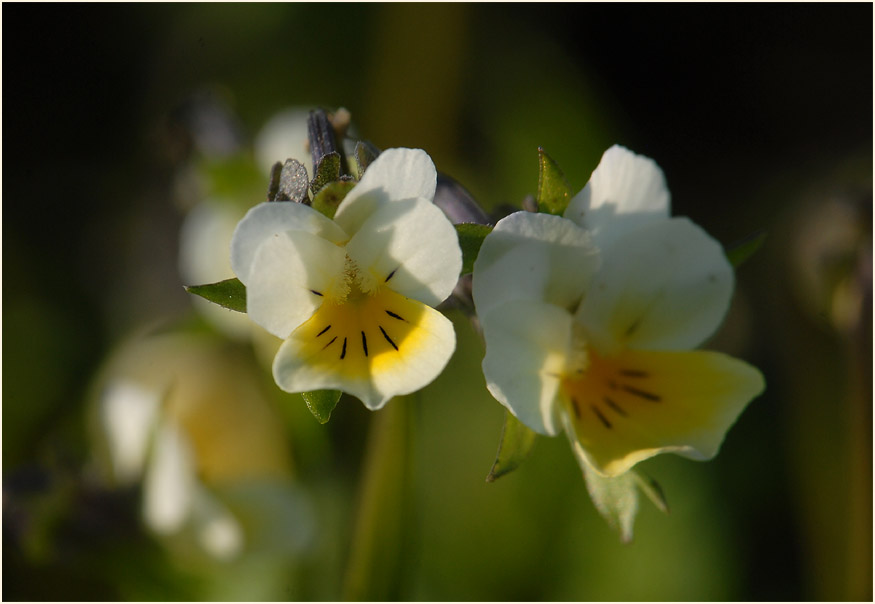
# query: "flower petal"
665 286
411 247
270 218
395 175
128 412
625 191
627 408
534 257
527 347
170 481
374 348
292 274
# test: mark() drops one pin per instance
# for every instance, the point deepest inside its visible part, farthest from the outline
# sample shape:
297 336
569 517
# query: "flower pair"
588 317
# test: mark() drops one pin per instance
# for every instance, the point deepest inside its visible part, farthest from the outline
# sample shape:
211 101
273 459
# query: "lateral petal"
411 247
625 191
630 407
293 272
527 348
374 348
664 286
395 175
267 220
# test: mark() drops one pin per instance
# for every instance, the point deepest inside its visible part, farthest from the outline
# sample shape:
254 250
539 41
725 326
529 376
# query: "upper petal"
292 273
527 347
411 247
128 412
665 286
625 191
395 175
270 218
377 347
535 257
641 403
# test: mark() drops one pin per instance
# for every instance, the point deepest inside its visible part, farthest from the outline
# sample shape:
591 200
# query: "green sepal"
740 251
230 293
554 192
365 154
615 498
653 491
516 444
330 196
321 403
327 171
471 237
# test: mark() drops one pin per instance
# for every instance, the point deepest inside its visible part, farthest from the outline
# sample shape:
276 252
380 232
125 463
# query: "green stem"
373 569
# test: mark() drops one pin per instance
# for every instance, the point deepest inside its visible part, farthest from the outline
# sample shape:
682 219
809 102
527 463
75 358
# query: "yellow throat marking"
366 329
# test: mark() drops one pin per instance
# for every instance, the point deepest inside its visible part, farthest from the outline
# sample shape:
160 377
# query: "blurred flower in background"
184 415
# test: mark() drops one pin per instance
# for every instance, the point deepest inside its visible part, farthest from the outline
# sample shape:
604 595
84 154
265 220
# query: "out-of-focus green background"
760 116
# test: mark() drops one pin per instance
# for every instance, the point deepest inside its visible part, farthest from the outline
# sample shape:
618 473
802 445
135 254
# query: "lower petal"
170 481
374 348
630 407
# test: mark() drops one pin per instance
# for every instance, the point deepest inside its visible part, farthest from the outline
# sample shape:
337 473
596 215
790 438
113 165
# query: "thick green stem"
373 569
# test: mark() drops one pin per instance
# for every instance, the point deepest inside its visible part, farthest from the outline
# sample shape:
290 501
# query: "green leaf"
330 196
554 192
516 444
471 237
229 293
740 251
327 171
321 403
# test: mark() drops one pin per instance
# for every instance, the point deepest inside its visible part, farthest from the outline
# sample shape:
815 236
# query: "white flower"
352 296
589 329
186 418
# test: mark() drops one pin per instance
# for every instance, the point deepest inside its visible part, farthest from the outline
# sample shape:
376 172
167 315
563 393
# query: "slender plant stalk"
373 569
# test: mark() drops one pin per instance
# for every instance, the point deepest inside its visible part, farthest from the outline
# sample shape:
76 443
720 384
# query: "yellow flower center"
364 327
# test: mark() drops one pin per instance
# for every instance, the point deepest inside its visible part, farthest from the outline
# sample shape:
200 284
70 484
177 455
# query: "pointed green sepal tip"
230 293
330 196
471 237
740 251
516 444
554 192
654 492
321 403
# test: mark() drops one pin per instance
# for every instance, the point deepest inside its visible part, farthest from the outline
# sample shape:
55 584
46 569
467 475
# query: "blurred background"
129 131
